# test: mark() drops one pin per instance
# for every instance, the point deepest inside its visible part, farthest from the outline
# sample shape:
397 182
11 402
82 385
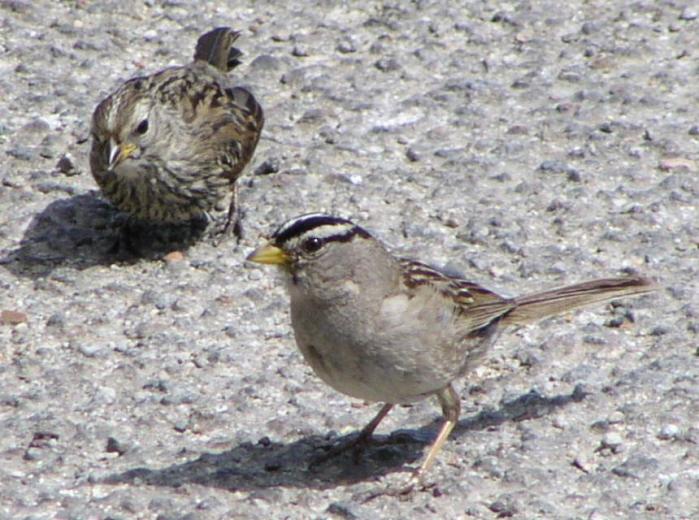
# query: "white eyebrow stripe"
329 231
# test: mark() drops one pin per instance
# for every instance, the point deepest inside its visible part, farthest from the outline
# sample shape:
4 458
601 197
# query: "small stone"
340 510
606 128
668 431
270 165
160 300
636 466
43 439
616 417
294 77
90 351
265 62
161 503
23 153
660 330
677 163
612 441
180 397
387 65
105 395
518 130
299 51
560 422
57 319
688 14
346 46
114 446
33 454
312 115
524 36
173 257
503 507
412 154
353 179
209 503
553 166
328 134
574 176
66 166
8 317
36 125
590 27
600 426
566 107
39 444
9 400
582 464
181 425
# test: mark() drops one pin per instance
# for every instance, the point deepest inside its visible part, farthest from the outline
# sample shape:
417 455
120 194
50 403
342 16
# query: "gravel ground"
526 144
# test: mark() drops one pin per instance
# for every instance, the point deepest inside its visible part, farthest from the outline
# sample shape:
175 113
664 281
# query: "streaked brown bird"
169 147
393 330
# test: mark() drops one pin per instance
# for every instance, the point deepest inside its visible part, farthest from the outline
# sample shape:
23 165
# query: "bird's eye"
142 127
312 244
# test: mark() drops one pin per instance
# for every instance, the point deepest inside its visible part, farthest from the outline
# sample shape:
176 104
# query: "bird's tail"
531 307
216 48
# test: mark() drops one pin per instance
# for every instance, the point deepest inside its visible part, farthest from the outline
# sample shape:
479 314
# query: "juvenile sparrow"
169 147
392 330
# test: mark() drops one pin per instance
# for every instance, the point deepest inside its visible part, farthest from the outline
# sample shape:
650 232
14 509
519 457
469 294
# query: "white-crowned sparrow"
169 147
392 330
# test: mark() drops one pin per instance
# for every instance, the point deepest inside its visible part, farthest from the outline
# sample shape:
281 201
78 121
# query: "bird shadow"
267 464
83 231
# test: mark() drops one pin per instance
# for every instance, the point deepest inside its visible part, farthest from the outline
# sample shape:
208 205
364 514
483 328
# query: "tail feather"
216 48
531 307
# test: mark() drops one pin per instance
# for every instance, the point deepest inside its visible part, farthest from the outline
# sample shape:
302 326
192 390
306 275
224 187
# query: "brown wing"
477 303
237 117
249 121
228 121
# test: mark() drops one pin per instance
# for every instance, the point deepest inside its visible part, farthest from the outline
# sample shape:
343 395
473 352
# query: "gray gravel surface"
525 144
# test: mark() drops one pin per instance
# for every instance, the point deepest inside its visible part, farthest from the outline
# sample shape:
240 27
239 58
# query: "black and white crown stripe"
319 225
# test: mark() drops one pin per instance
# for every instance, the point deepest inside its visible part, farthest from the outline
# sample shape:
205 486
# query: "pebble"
105 395
269 165
636 466
91 350
266 63
387 65
341 510
10 317
668 431
115 446
23 153
612 440
677 163
66 165
346 46
689 13
174 257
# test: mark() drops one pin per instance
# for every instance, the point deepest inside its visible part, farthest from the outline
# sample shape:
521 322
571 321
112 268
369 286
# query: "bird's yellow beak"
268 254
119 152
